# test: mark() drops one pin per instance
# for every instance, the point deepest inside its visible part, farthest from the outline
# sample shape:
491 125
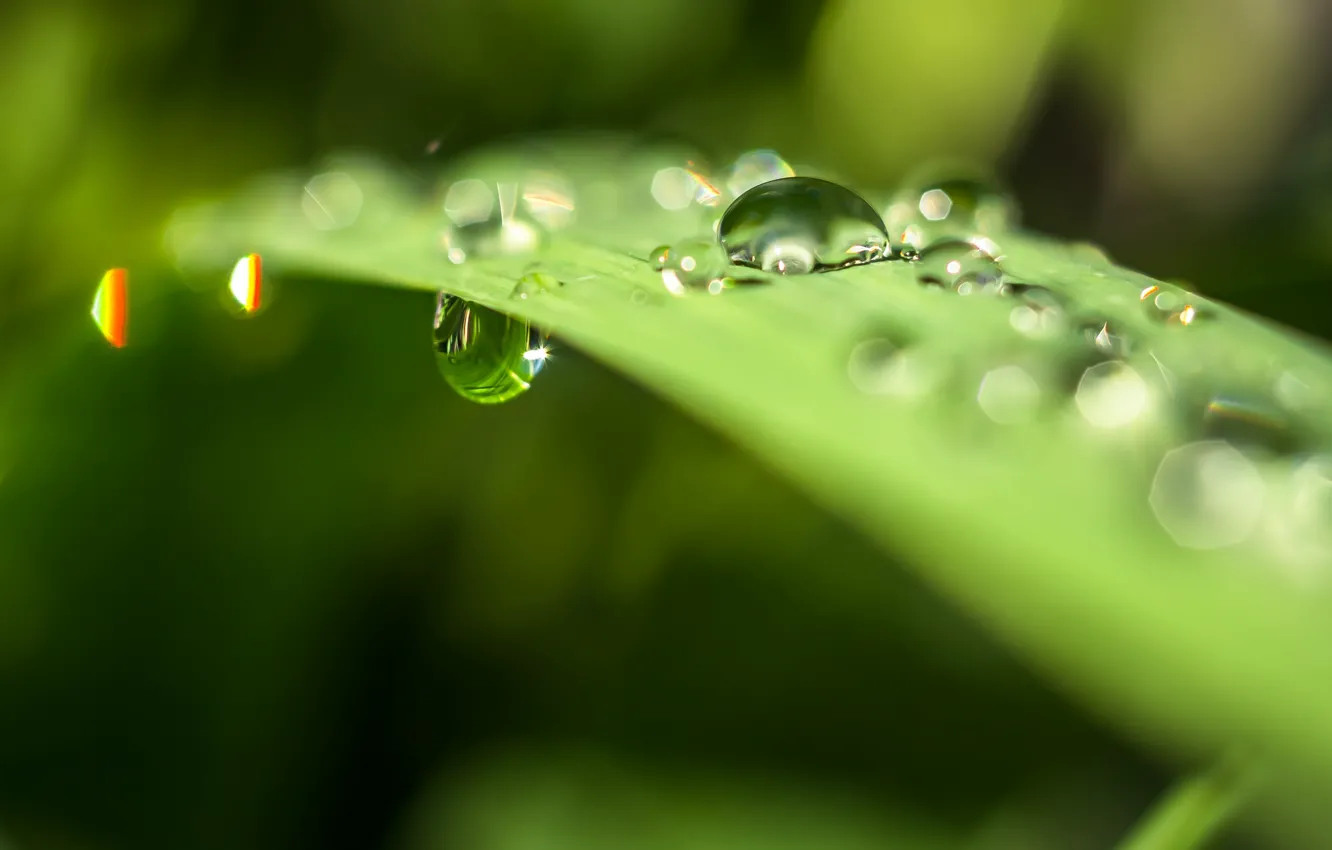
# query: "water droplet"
1105 338
660 257
955 207
536 283
332 200
1170 304
1207 495
487 220
878 366
756 167
697 264
798 225
1111 395
110 309
486 356
1008 395
958 265
246 285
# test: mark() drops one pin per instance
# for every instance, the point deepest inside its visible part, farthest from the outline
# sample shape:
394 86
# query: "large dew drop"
486 356
798 225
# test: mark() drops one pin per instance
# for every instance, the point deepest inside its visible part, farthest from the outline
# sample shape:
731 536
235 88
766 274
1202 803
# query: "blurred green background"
269 584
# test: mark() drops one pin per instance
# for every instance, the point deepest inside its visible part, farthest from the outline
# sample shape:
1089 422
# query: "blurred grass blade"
1198 808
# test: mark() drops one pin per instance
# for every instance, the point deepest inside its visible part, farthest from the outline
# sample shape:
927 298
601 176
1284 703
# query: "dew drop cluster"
1234 449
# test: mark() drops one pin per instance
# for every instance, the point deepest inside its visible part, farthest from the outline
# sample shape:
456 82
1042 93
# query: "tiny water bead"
660 256
536 283
110 309
486 356
692 265
957 265
1171 305
799 225
246 285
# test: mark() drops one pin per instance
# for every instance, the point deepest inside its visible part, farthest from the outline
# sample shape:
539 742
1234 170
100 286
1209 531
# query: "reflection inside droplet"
1008 395
486 356
1207 495
1111 395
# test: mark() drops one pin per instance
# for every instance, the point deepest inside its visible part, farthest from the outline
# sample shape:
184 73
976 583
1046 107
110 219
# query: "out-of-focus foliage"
261 582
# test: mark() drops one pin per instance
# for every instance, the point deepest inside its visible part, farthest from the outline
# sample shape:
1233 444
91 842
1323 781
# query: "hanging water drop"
486 356
798 225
